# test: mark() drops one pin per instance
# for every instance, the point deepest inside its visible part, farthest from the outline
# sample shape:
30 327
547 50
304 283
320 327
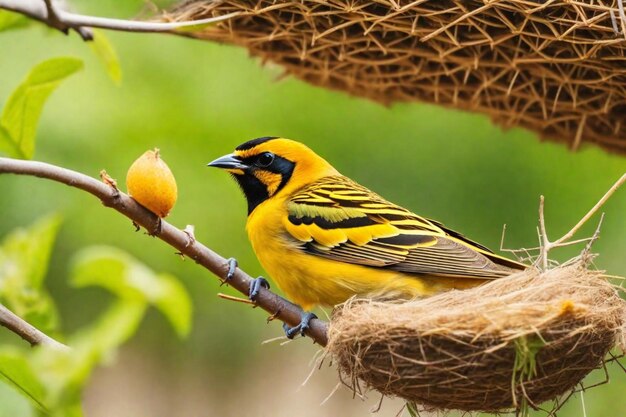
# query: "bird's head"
269 166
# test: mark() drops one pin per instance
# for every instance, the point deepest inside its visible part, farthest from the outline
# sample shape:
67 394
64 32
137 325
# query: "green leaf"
60 375
65 373
14 403
126 277
112 329
11 20
22 110
411 407
7 145
103 48
72 410
30 248
24 257
174 303
16 371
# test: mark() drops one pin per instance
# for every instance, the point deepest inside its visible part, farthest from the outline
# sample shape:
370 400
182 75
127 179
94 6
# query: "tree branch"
48 12
26 331
113 198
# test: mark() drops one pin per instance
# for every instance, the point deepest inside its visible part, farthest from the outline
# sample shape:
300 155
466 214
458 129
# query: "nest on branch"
556 67
512 343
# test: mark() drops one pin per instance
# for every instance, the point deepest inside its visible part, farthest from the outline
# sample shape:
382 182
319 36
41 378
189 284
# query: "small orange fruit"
151 183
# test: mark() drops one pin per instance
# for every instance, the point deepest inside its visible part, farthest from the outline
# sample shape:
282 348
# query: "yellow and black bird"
324 238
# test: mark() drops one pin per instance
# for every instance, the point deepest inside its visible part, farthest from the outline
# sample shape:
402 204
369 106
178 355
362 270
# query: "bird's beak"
230 163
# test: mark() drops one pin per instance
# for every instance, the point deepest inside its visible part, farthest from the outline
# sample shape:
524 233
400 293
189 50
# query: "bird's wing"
338 219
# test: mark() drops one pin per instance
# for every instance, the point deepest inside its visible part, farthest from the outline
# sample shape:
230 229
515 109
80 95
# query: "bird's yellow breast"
310 280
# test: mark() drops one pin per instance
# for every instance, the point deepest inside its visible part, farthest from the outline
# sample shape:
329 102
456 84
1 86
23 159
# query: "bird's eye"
265 159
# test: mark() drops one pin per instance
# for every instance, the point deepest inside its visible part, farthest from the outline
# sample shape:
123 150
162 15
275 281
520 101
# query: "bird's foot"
232 264
256 285
305 320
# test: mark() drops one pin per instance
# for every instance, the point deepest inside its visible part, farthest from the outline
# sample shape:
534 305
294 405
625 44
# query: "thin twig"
48 12
591 212
117 200
26 331
73 19
543 235
329 396
236 299
564 240
593 238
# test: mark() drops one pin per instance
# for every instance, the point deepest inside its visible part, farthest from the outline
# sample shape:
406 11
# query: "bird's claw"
232 266
305 321
256 285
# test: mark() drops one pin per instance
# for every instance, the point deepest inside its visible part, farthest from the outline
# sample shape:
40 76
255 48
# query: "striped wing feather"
338 219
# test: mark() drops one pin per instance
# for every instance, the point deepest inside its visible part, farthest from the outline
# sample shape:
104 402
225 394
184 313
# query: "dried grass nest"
512 343
555 67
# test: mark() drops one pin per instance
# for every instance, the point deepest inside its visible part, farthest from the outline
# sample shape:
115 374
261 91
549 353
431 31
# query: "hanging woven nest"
555 67
512 343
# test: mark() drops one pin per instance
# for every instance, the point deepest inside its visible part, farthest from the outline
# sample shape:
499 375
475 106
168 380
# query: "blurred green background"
196 101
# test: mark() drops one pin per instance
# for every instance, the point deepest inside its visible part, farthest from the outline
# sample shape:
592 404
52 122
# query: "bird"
323 238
